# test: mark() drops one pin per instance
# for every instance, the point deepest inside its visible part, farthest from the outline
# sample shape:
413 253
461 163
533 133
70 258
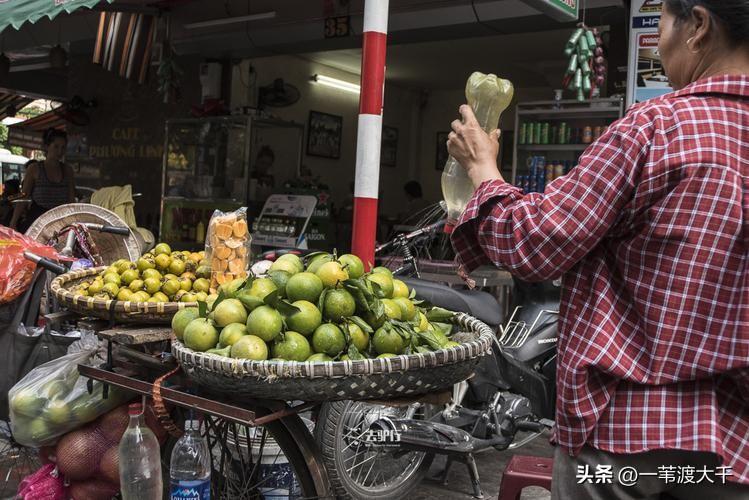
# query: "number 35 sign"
337 26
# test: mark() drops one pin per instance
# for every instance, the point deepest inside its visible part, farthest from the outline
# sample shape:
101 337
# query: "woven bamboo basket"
127 312
395 377
111 246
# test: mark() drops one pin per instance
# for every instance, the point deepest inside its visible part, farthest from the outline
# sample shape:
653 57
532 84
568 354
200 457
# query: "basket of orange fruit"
150 290
321 328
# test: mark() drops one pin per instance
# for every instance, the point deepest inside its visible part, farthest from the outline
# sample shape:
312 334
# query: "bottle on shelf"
140 460
489 96
190 469
200 230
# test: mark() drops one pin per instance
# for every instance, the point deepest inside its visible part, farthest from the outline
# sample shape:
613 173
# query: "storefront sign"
126 144
646 78
561 10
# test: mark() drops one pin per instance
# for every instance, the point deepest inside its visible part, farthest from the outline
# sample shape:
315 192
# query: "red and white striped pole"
370 130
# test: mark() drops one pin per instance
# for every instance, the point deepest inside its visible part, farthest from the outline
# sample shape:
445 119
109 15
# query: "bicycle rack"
515 333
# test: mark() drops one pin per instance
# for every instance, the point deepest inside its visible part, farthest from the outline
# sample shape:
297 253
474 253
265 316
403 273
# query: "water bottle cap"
448 229
135 409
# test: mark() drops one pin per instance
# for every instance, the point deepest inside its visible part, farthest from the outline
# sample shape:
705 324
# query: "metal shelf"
553 147
559 114
597 112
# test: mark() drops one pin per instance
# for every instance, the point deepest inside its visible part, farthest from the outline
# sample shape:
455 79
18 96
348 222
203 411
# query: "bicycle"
509 394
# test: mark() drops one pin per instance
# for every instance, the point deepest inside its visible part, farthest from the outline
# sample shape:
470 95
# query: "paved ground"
490 465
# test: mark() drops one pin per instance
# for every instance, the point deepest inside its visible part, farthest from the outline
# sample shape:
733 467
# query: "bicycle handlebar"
402 238
45 263
103 228
123 231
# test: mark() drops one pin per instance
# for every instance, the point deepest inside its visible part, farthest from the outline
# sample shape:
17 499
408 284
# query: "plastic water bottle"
140 460
488 96
190 471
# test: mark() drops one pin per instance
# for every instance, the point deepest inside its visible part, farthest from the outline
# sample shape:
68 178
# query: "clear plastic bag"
227 246
52 399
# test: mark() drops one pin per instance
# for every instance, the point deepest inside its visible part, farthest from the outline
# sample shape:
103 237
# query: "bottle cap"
448 229
192 425
135 409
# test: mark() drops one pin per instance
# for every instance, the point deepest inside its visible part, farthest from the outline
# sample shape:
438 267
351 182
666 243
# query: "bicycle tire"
327 435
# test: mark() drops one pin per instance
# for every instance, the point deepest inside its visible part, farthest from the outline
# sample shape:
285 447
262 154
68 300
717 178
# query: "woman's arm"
70 176
540 236
27 187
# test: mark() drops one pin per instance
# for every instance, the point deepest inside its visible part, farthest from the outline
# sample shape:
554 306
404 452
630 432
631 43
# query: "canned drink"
526 184
521 133
537 133
531 162
545 133
549 172
541 183
541 163
558 170
562 139
587 135
553 134
597 132
532 183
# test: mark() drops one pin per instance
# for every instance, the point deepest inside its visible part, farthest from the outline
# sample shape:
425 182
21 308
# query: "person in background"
415 202
11 190
48 184
650 236
261 174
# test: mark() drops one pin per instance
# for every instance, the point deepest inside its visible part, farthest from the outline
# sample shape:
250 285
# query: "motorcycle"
384 451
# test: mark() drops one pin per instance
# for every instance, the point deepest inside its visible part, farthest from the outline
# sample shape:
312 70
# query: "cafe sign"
561 10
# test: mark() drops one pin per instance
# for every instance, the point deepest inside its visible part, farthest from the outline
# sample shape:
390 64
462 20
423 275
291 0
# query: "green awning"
16 12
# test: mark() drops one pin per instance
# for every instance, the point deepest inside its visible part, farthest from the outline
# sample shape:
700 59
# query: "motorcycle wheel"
355 470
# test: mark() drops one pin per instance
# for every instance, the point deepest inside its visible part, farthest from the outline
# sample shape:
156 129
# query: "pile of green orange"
158 276
325 308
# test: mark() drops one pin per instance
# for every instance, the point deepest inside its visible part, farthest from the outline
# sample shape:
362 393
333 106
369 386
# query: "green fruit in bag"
27 402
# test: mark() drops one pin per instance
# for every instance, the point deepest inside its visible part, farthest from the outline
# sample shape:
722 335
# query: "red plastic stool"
525 471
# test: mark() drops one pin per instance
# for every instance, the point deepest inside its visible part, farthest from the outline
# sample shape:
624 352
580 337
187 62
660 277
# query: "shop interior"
251 111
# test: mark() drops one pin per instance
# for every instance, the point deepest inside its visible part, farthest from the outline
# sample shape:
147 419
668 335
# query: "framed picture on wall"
324 135
442 153
389 149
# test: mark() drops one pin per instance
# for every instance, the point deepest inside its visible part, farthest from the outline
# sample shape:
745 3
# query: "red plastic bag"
16 271
44 484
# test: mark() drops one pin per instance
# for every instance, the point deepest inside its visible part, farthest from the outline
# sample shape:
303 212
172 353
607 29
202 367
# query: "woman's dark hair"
51 134
413 189
733 14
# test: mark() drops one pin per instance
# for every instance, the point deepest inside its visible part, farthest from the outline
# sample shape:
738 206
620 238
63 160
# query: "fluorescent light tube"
231 20
336 83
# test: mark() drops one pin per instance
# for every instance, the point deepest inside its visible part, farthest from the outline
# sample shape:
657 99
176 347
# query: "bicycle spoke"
368 473
362 463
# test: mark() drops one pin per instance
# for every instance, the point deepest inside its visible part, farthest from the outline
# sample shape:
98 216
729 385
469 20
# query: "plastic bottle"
190 471
488 95
140 460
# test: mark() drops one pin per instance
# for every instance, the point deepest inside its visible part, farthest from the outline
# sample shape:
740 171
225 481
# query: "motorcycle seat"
477 303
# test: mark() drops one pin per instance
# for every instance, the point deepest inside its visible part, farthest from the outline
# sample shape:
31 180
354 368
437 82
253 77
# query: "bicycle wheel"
356 470
253 462
16 462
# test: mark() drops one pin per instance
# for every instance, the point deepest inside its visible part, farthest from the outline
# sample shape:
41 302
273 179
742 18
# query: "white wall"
416 159
338 174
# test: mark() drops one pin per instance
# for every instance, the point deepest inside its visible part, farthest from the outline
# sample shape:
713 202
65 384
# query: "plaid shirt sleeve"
539 236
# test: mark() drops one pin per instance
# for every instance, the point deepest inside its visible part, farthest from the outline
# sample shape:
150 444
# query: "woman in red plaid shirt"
650 234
